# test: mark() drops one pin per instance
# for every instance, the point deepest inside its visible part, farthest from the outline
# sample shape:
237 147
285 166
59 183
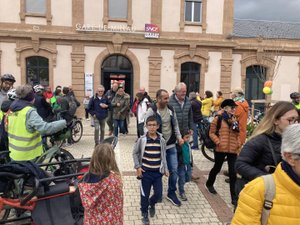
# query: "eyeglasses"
100 91
291 120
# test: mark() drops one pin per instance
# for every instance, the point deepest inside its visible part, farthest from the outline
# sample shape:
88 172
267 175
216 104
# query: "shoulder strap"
269 196
272 151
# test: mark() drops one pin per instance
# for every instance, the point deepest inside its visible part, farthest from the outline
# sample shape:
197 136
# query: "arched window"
37 70
255 78
190 75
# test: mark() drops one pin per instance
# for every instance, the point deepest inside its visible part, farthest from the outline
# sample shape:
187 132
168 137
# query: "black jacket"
196 108
256 154
43 108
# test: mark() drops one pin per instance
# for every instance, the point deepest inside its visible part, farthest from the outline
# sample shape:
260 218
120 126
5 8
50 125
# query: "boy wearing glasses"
149 156
98 108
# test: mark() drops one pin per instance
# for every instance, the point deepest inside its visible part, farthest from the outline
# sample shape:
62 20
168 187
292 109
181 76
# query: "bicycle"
76 129
207 146
23 191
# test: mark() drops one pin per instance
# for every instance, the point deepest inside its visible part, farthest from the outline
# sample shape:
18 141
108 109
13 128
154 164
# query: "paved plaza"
201 207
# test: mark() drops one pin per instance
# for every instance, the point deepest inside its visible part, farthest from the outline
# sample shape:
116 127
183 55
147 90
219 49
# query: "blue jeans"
118 124
149 179
184 175
195 135
173 167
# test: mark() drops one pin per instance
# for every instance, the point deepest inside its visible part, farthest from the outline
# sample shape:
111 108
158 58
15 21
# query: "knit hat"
228 102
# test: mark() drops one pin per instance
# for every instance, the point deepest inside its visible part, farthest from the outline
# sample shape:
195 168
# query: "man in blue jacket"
98 108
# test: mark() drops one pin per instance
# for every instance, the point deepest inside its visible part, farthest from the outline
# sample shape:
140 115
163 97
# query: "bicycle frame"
28 202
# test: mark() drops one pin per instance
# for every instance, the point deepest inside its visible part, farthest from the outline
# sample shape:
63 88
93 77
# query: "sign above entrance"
105 28
151 31
117 76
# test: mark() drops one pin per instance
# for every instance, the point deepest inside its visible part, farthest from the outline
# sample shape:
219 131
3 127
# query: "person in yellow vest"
218 101
207 103
25 127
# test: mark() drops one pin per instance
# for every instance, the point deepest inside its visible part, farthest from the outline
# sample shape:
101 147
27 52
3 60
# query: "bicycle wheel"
64 155
76 131
208 153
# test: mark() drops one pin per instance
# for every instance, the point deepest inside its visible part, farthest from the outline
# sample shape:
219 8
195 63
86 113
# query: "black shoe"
211 189
145 219
227 180
173 198
159 200
152 210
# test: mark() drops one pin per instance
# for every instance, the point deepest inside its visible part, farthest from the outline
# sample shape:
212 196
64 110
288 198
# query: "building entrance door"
117 68
255 78
190 75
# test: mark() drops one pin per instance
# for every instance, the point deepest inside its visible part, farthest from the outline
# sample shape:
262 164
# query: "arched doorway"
255 78
37 70
117 68
190 75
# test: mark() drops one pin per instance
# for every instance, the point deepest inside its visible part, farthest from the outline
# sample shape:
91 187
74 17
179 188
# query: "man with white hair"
183 108
284 186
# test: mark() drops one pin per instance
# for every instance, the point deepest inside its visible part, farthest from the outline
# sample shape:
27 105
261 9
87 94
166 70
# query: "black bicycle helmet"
295 95
8 77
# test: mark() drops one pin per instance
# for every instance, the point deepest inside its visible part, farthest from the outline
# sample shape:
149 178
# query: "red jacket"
103 201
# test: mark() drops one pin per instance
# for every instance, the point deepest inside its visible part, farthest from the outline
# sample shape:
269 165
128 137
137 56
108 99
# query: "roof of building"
267 29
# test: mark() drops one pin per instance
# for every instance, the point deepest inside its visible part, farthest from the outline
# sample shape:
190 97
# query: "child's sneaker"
183 197
145 219
152 210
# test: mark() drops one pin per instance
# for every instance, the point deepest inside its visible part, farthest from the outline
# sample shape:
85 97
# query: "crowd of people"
29 113
164 128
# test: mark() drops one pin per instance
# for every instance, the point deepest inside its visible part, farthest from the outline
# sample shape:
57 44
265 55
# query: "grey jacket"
3 96
35 122
152 111
184 115
120 112
138 152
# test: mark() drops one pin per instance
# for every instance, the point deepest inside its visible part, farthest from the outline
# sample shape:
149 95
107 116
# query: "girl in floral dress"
101 190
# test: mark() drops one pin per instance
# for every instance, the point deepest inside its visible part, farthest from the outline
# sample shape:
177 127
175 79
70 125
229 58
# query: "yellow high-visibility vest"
23 145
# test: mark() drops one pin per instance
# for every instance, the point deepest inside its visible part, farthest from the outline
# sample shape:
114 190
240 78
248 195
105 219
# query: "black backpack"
204 132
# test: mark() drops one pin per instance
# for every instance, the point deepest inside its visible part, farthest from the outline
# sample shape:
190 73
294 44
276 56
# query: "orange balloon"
268 83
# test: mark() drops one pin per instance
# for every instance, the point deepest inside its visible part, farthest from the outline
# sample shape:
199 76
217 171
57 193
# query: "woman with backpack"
227 145
275 201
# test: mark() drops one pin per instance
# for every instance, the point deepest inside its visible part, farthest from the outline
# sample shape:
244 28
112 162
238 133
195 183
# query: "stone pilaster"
77 12
226 72
228 17
154 71
156 12
78 58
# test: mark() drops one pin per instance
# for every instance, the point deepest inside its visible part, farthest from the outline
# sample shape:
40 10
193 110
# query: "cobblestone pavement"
201 207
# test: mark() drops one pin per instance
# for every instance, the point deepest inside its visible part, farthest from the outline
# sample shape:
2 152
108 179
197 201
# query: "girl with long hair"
261 153
101 190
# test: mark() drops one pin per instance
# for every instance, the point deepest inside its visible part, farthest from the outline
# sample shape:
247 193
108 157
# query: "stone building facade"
61 42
